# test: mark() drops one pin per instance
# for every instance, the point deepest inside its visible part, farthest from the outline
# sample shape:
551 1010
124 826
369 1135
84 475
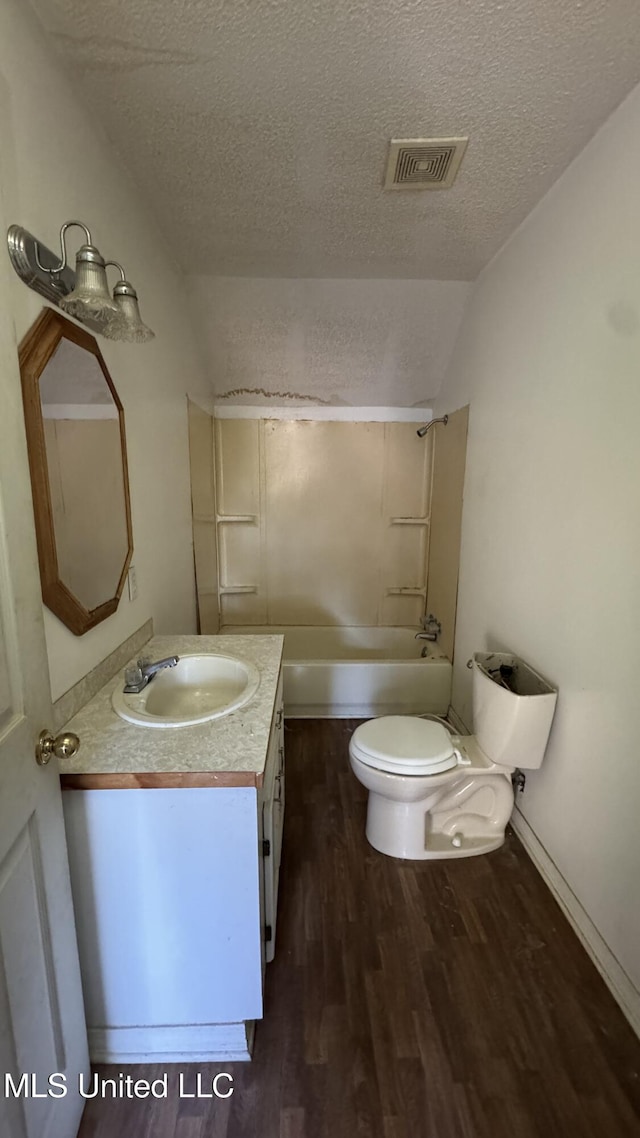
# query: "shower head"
421 432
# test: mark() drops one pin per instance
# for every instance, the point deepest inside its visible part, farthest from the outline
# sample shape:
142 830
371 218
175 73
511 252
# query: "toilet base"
469 821
437 848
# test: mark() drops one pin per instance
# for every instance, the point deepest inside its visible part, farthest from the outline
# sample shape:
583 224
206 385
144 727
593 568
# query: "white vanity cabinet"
175 892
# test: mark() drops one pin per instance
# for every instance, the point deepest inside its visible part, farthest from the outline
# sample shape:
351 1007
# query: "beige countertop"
230 751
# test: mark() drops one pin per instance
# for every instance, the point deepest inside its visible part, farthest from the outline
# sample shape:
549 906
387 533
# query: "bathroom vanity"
174 839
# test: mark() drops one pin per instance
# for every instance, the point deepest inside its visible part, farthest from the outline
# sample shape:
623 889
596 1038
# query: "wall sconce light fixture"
84 293
128 325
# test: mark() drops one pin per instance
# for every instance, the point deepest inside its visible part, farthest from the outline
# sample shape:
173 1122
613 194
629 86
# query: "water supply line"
421 432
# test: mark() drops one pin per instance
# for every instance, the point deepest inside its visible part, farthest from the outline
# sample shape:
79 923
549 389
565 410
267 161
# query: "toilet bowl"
434 794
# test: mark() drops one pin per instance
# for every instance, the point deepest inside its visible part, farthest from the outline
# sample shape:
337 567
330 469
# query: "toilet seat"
405 744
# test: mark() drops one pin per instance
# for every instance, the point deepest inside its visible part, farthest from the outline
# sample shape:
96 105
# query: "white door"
42 1029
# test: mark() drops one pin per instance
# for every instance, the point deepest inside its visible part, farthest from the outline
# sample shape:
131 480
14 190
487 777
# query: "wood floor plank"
408 999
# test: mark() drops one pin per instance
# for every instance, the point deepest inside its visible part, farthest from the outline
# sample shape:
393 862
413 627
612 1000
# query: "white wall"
362 343
549 358
56 165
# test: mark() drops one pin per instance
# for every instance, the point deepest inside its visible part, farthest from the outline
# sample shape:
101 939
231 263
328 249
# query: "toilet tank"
513 709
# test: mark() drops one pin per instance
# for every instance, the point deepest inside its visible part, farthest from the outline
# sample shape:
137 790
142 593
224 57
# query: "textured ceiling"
258 129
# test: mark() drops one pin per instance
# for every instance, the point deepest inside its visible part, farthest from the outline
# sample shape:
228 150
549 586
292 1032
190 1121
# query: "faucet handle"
133 675
432 627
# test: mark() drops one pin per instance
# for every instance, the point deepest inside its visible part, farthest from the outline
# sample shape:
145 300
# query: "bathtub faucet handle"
432 628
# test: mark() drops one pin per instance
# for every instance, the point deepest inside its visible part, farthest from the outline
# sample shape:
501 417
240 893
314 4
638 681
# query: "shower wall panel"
446 523
322 523
203 511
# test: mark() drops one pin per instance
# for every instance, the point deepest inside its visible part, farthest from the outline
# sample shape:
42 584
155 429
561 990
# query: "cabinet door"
278 820
272 821
271 855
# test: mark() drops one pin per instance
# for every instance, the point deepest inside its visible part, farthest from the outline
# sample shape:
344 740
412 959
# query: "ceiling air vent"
423 163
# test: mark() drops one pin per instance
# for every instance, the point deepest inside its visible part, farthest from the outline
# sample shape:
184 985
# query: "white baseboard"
621 987
198 1043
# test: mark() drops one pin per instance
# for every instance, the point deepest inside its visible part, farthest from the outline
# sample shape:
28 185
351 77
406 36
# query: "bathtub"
358 672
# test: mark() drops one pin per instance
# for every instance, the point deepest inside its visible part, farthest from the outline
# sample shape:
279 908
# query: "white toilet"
433 794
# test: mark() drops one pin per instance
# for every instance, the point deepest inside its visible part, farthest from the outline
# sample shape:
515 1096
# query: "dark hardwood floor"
408 1000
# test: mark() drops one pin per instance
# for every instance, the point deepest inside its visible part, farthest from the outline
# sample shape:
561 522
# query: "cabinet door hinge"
266 848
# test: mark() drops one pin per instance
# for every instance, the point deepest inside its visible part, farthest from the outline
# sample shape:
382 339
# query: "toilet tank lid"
404 737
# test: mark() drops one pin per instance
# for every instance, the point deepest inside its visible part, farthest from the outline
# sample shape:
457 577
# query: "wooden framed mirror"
78 460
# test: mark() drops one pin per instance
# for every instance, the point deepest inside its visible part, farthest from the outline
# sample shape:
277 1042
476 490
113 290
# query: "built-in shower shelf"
238 519
409 521
227 589
406 591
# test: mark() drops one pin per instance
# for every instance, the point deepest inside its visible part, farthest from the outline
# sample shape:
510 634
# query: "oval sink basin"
197 689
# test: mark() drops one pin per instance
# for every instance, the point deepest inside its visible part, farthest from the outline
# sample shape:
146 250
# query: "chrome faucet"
432 628
142 673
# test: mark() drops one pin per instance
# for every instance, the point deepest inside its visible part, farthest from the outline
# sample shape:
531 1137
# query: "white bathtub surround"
343 542
450 449
549 359
355 537
203 513
359 672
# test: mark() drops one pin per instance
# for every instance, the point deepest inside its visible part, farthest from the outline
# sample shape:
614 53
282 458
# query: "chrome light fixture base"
28 255
39 268
84 293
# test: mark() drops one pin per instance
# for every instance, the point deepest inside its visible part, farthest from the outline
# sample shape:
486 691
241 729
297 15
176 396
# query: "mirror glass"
86 479
77 457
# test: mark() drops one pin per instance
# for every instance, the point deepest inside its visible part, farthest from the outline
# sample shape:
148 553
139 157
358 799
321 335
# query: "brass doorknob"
63 746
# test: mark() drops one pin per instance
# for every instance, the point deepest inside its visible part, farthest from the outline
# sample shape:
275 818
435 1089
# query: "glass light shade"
91 296
128 326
